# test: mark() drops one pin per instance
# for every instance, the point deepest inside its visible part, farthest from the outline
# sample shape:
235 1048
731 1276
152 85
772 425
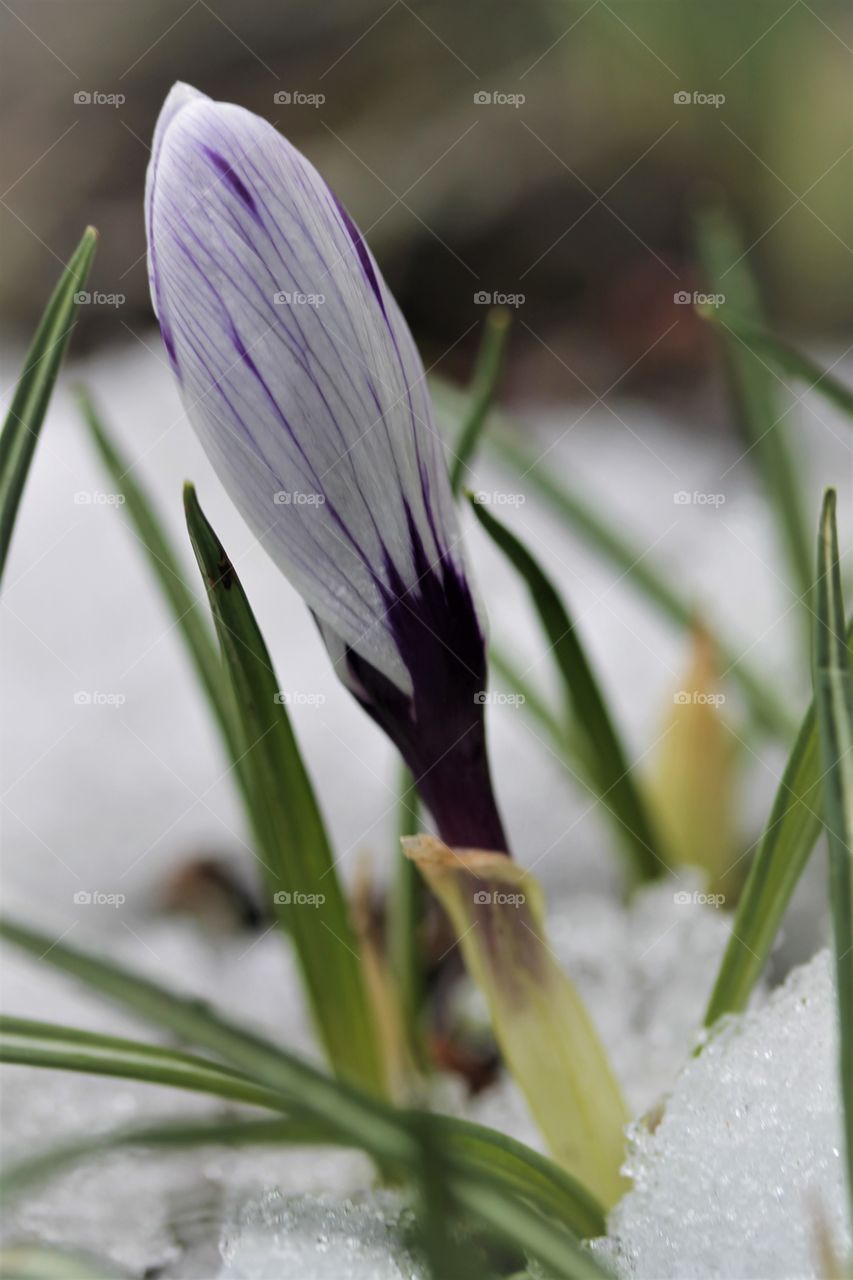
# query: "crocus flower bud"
301 379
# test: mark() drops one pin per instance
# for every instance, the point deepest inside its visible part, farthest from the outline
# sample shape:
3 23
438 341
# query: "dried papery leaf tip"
302 381
545 1034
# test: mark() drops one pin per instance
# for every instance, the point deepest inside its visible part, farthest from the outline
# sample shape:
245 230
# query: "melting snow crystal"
323 1238
745 1168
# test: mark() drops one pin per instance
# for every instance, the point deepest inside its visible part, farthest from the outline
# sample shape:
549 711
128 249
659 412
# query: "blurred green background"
577 197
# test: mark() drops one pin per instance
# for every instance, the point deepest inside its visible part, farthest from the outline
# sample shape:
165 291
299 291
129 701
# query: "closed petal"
298 372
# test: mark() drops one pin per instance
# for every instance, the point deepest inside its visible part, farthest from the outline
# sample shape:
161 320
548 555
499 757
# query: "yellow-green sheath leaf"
545 1033
692 786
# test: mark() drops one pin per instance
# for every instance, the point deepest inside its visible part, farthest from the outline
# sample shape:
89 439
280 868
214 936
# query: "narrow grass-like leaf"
482 391
484 1193
170 1134
178 1135
40 1262
834 701
35 386
792 830
611 775
447 1253
784 357
303 883
348 1116
506 440
756 387
520 1168
191 623
515 1221
318 1097
45 1044
534 703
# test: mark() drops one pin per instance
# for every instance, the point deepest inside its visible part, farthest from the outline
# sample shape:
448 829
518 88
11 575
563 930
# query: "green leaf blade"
506 442
192 626
756 389
783 852
834 701
607 762
786 358
482 1191
302 879
35 386
40 1262
194 1022
483 387
520 1168
39 1044
511 1189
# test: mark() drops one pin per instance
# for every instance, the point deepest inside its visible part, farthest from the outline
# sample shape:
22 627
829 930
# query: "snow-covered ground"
645 970
112 774
110 792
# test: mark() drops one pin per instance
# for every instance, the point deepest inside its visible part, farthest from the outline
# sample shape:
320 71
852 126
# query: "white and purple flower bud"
301 379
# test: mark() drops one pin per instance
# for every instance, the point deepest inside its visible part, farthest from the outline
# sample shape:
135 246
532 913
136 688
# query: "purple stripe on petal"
324 403
169 344
234 181
440 730
361 249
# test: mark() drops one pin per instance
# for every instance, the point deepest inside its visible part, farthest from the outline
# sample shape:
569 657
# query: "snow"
112 796
295 1237
145 1210
630 965
107 798
744 1173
